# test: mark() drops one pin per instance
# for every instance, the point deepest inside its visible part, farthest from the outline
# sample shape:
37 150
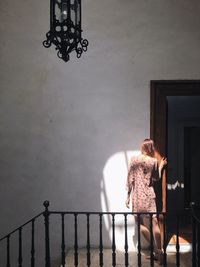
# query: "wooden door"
160 90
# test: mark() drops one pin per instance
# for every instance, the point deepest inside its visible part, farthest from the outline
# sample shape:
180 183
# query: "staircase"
75 246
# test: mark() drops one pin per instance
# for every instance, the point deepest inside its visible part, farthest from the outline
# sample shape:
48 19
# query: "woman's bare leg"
145 232
157 239
156 233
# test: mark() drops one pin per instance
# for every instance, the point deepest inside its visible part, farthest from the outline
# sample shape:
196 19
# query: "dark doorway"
171 200
191 165
183 147
160 91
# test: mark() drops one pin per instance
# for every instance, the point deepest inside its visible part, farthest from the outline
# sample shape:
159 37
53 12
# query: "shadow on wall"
113 196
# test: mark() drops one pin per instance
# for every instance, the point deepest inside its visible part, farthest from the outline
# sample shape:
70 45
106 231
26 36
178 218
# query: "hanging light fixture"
65 28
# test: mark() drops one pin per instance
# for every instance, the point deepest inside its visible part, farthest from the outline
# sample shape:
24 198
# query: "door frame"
159 91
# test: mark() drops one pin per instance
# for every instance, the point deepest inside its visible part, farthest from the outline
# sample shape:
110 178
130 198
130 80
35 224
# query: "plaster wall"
61 123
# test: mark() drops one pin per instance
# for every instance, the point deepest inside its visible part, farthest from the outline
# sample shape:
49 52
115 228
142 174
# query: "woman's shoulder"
155 163
151 160
134 158
155 160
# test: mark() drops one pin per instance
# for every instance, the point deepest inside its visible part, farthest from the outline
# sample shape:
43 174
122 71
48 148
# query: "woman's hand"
163 162
127 202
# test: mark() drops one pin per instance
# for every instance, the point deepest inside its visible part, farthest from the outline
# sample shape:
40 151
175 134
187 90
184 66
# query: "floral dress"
143 171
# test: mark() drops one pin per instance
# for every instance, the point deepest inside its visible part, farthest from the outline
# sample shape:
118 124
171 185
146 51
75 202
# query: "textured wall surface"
61 123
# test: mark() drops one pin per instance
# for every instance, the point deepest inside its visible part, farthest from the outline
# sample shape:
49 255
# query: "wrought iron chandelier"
65 28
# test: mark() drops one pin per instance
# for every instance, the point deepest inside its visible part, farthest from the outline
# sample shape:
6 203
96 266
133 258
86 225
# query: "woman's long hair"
147 147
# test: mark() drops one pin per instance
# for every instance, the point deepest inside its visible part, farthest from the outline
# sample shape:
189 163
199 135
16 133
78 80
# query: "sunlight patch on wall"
113 196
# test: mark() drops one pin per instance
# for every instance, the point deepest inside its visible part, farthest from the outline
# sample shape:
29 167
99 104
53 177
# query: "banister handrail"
81 213
92 213
192 206
104 212
195 217
47 219
21 226
75 212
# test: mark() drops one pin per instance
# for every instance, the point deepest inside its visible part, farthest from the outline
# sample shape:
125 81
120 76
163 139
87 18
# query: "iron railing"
7 239
195 214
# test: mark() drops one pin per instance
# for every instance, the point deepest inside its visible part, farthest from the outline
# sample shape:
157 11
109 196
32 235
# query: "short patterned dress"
143 171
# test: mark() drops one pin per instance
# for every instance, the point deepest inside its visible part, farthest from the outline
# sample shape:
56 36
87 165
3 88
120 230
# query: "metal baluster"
33 243
177 243
139 240
8 251
126 240
198 243
47 241
63 240
151 241
88 240
164 242
100 241
75 240
194 240
113 241
80 19
20 248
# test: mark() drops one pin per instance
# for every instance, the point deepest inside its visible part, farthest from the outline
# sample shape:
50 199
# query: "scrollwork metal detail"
47 43
65 31
81 47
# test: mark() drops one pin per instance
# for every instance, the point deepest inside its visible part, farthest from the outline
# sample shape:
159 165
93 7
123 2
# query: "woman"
143 172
